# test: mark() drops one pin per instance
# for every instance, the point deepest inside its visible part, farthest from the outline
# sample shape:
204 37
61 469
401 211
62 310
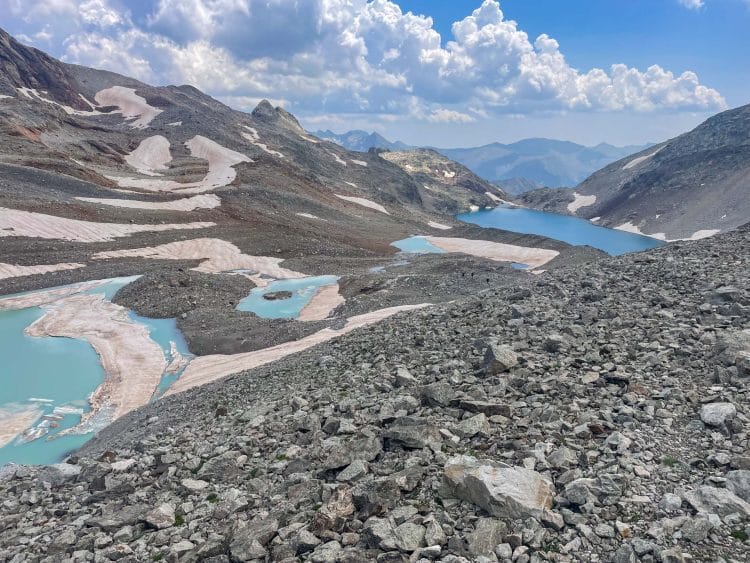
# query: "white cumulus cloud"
349 57
692 4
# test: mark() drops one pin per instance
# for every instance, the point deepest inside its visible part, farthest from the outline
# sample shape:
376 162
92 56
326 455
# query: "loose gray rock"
504 492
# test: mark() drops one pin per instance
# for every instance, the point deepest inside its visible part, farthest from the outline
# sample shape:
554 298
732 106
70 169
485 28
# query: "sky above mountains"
438 73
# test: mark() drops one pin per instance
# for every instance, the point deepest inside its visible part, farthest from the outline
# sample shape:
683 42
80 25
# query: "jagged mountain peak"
26 67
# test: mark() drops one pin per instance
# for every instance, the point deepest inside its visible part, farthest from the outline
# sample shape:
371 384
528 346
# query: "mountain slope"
691 186
102 176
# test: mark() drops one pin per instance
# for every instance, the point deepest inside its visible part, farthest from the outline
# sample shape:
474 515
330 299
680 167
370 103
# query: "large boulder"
503 491
711 500
498 359
718 414
339 451
739 483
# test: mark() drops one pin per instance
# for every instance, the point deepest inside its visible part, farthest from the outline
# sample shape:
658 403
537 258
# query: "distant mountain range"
362 141
517 167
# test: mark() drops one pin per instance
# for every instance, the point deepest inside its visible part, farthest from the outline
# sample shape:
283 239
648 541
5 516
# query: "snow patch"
205 369
15 271
217 256
254 139
309 216
130 105
309 139
175 124
629 227
363 202
359 162
449 174
337 158
221 161
151 155
499 252
16 223
440 226
640 160
133 363
208 201
32 93
580 201
494 198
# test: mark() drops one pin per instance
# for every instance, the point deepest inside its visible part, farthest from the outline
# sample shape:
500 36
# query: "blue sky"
456 73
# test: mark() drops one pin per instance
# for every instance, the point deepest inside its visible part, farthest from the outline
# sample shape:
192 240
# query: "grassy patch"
739 535
179 520
212 497
669 461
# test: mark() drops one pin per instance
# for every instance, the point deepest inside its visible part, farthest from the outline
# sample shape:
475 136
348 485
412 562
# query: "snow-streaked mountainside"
694 185
103 176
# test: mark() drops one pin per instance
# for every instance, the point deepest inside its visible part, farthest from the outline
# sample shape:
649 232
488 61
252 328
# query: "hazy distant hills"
517 167
361 141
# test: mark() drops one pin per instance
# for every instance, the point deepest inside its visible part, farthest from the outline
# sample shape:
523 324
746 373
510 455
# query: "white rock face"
718 414
504 492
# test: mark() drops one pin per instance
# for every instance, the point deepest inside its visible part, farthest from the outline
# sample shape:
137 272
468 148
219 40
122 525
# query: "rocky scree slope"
699 181
599 413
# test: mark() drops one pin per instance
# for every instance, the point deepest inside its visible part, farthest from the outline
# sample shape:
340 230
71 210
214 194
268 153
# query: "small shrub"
669 461
739 535
213 498
179 520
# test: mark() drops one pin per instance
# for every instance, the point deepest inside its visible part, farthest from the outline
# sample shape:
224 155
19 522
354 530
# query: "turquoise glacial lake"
568 229
56 375
302 290
417 245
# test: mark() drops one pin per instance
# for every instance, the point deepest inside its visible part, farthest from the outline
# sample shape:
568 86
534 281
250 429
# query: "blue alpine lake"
302 290
52 378
568 229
